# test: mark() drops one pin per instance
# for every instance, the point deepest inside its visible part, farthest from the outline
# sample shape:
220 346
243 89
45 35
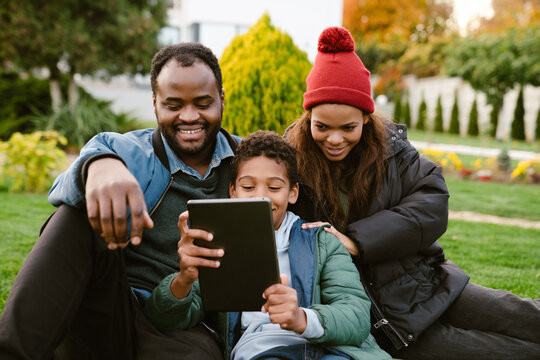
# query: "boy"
319 309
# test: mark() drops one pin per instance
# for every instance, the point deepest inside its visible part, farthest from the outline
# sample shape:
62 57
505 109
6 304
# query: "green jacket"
326 281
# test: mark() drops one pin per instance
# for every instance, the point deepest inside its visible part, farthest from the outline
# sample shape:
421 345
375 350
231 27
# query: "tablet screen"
244 229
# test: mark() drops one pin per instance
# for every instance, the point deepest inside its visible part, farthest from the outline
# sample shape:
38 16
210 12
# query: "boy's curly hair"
271 145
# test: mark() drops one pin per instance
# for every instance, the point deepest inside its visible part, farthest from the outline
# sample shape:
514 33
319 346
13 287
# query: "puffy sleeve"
344 306
415 216
169 313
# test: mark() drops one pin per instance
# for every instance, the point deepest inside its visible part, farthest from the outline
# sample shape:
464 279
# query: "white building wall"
219 20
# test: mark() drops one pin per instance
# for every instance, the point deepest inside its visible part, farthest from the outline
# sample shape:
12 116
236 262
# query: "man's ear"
222 99
293 194
232 190
154 104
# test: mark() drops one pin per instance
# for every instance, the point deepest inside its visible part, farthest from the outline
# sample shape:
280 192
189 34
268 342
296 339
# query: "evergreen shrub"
397 108
422 114
518 124
438 122
264 80
454 118
473 120
407 114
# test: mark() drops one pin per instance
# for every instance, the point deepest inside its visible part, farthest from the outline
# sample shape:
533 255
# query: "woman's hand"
282 307
344 239
192 256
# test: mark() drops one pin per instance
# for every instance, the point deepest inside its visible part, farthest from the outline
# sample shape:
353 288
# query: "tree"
495 63
510 13
518 124
68 37
454 118
264 79
438 126
397 108
473 120
422 114
537 130
494 120
407 114
402 19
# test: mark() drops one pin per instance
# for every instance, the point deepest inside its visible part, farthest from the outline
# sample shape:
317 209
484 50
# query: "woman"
388 206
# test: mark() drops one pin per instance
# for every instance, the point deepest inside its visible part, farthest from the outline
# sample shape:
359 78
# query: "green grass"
497 256
21 217
478 141
506 200
500 257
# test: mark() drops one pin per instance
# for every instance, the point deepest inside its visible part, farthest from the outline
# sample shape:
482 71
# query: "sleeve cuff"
314 328
82 170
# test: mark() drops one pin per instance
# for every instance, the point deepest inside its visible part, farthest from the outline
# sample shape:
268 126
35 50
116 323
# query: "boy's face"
264 177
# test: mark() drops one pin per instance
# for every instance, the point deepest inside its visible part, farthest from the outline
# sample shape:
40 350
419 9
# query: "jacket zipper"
161 197
381 321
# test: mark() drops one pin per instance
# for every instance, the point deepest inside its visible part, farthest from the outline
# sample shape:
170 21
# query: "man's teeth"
190 131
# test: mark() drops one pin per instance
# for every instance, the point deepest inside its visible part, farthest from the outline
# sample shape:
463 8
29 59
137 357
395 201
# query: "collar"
222 151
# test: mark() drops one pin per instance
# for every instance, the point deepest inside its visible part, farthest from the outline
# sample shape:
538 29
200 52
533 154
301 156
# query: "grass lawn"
506 200
497 256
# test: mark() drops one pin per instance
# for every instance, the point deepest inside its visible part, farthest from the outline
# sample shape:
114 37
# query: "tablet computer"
244 229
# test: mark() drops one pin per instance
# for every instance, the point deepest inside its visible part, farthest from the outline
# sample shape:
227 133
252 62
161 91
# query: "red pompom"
335 39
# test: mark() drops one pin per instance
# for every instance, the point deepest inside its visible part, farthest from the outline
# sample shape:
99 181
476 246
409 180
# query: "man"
80 292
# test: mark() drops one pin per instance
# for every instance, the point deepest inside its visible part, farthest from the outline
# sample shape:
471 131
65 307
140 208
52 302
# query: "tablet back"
244 229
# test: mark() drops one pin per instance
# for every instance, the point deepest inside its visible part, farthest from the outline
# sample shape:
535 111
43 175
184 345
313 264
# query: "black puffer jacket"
402 265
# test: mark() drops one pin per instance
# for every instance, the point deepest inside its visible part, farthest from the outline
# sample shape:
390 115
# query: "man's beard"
189 148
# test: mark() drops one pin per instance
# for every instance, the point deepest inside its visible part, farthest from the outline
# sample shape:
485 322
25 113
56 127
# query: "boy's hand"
110 188
344 239
282 307
191 257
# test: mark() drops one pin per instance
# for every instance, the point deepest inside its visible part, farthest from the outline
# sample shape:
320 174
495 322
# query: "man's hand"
192 256
110 188
282 307
344 239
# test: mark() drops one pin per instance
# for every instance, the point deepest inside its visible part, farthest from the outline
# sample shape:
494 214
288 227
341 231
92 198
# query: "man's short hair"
185 54
271 145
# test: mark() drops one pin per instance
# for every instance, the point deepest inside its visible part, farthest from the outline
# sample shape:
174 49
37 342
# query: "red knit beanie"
338 74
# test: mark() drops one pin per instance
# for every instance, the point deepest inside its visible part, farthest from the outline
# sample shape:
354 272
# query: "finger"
105 218
332 230
199 251
313 225
119 209
92 210
198 234
182 223
192 261
283 278
137 209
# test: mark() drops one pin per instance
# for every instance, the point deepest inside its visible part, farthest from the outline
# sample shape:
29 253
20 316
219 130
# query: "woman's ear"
366 118
293 194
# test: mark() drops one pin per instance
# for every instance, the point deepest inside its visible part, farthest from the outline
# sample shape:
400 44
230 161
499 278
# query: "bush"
473 120
89 117
494 120
407 114
422 114
518 124
397 108
537 132
438 126
454 119
20 99
31 161
264 78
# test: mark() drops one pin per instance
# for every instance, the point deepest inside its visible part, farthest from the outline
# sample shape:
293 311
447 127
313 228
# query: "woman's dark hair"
271 145
185 54
362 169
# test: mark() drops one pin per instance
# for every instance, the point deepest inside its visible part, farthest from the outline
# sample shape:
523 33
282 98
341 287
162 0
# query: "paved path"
492 219
475 151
